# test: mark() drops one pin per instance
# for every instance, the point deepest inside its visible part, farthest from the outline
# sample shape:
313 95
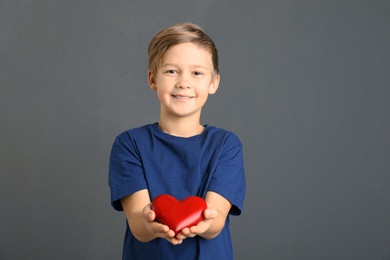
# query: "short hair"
179 33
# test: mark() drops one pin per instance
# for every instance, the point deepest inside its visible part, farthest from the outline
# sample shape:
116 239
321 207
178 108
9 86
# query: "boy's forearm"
133 206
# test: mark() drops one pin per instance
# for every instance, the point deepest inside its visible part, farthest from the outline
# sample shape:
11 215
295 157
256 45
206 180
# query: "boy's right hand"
156 228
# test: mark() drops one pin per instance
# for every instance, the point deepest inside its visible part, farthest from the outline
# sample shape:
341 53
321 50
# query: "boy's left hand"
209 215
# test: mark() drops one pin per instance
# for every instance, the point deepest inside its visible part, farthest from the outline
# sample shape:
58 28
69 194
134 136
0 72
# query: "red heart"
178 214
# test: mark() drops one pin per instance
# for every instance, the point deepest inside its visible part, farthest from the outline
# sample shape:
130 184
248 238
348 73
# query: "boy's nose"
183 81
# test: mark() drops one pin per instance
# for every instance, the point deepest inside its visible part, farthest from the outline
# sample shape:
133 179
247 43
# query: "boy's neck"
180 128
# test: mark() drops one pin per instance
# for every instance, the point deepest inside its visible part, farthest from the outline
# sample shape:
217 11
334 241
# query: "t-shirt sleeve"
228 179
126 174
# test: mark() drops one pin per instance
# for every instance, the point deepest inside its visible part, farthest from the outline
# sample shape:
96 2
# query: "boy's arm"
141 219
214 218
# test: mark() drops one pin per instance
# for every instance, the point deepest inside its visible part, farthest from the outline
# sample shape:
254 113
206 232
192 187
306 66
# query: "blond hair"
179 33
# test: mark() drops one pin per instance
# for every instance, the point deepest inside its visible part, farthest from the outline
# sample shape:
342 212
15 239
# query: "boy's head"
180 33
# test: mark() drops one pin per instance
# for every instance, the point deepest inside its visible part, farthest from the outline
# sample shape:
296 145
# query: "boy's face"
184 80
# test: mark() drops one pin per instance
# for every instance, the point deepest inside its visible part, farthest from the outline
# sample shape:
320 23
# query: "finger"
191 235
184 234
181 236
188 232
174 241
151 216
185 231
210 213
162 229
200 228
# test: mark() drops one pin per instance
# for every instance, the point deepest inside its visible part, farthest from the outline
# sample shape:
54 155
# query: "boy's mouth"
182 97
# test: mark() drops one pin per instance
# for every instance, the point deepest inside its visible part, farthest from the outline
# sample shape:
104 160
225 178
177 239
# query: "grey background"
305 85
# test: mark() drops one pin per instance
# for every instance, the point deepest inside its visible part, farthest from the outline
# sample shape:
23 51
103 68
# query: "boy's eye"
171 71
197 73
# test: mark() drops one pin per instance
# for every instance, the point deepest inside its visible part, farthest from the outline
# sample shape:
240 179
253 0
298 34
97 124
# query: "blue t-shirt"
147 158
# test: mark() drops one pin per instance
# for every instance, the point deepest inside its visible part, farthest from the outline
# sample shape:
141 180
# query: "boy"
178 155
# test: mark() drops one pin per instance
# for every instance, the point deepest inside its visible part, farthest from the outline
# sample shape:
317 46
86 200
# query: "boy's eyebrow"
168 64
175 65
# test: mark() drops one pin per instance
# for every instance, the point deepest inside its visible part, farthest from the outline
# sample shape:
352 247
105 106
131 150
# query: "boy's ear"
151 80
214 84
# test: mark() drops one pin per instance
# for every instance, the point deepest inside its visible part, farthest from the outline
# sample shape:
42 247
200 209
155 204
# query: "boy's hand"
158 229
214 218
209 215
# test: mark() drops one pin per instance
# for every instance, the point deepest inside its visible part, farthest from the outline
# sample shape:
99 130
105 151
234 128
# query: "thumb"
210 213
151 215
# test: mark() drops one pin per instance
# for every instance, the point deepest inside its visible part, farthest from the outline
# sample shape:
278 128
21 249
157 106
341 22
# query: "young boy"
178 156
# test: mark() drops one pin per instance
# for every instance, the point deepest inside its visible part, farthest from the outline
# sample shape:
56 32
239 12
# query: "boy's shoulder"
137 132
141 129
218 130
221 133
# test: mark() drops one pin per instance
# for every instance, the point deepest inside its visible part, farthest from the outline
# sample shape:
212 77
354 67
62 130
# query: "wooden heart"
178 214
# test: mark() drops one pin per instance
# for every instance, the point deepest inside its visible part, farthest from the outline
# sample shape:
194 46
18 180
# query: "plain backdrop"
304 84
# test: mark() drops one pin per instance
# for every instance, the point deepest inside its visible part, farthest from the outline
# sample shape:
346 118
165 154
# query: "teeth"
182 97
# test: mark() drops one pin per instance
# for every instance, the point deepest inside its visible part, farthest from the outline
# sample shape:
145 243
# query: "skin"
183 82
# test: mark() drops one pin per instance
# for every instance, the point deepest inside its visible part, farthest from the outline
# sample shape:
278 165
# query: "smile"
182 97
